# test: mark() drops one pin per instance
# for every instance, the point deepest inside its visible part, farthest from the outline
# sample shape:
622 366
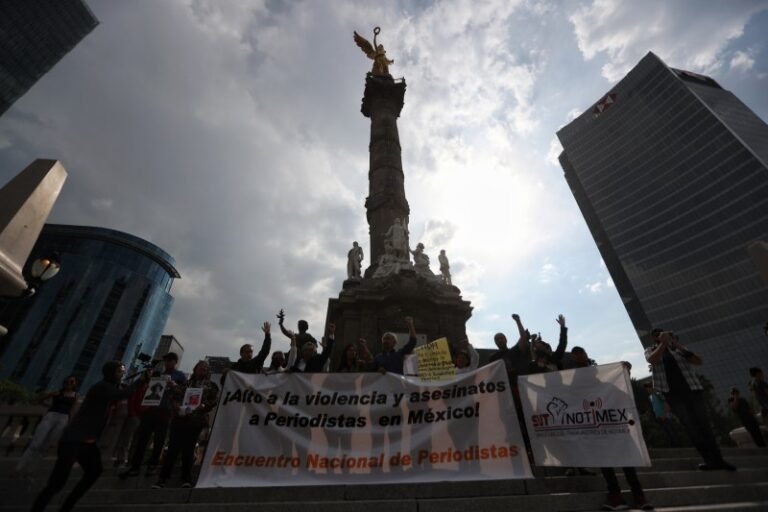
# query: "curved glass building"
110 300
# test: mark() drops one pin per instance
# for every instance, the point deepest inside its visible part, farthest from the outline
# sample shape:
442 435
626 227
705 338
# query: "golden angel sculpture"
375 52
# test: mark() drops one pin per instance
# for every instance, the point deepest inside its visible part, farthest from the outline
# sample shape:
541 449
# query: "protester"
391 360
615 501
310 361
543 359
278 363
155 421
355 358
744 412
188 422
516 362
79 441
759 389
122 451
249 364
466 359
516 359
580 359
673 375
302 337
52 424
661 413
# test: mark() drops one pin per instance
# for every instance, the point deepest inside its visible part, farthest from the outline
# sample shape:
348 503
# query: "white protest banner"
584 417
155 389
325 428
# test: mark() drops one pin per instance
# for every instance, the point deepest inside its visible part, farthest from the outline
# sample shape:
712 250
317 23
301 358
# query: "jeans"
156 427
691 410
181 441
123 446
613 483
89 458
46 434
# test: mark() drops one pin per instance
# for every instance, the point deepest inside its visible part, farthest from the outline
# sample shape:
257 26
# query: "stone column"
25 203
382 103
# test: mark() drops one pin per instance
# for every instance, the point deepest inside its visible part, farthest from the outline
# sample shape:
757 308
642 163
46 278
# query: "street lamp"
42 269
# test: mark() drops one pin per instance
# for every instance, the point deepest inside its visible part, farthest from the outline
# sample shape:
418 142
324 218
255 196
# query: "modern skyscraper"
110 300
34 36
670 171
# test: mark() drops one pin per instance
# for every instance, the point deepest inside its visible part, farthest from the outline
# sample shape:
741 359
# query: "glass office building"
110 300
34 36
670 171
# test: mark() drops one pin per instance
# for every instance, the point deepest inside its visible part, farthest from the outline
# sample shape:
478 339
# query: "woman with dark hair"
355 358
49 429
189 419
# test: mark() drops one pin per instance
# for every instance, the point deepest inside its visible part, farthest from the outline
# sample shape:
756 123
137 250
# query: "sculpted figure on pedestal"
445 269
421 262
354 261
375 52
397 238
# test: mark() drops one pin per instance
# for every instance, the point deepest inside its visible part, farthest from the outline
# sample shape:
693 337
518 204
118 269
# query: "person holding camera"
79 441
672 370
155 421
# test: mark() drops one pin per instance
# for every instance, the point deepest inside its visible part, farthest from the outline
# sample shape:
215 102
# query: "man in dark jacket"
249 364
309 361
391 360
79 441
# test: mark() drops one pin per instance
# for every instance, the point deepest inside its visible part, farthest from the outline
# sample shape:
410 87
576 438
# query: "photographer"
673 374
79 441
155 421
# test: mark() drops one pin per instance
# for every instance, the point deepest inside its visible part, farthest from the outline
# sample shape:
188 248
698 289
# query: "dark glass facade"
110 300
669 171
34 36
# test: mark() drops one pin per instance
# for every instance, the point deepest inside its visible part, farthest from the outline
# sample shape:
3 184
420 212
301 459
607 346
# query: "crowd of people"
675 390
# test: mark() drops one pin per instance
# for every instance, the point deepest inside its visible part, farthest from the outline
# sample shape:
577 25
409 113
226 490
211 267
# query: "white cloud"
555 148
102 204
625 30
548 273
742 61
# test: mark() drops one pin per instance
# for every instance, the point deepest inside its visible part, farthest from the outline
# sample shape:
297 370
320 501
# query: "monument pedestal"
367 308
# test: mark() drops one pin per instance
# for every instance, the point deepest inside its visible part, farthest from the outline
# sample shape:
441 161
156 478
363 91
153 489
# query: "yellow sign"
435 361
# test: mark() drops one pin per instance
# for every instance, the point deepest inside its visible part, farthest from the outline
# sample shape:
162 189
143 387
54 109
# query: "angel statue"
376 53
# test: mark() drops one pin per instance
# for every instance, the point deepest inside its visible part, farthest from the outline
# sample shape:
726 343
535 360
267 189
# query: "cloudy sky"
230 134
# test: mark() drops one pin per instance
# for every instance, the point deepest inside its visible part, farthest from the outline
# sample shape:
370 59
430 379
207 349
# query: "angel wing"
365 45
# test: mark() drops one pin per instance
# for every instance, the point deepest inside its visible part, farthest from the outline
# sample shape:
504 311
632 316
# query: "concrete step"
720 507
172 500
675 453
552 484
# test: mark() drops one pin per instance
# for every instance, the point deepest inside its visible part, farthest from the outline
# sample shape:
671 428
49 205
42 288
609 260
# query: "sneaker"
615 502
129 473
159 485
151 470
642 503
186 485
